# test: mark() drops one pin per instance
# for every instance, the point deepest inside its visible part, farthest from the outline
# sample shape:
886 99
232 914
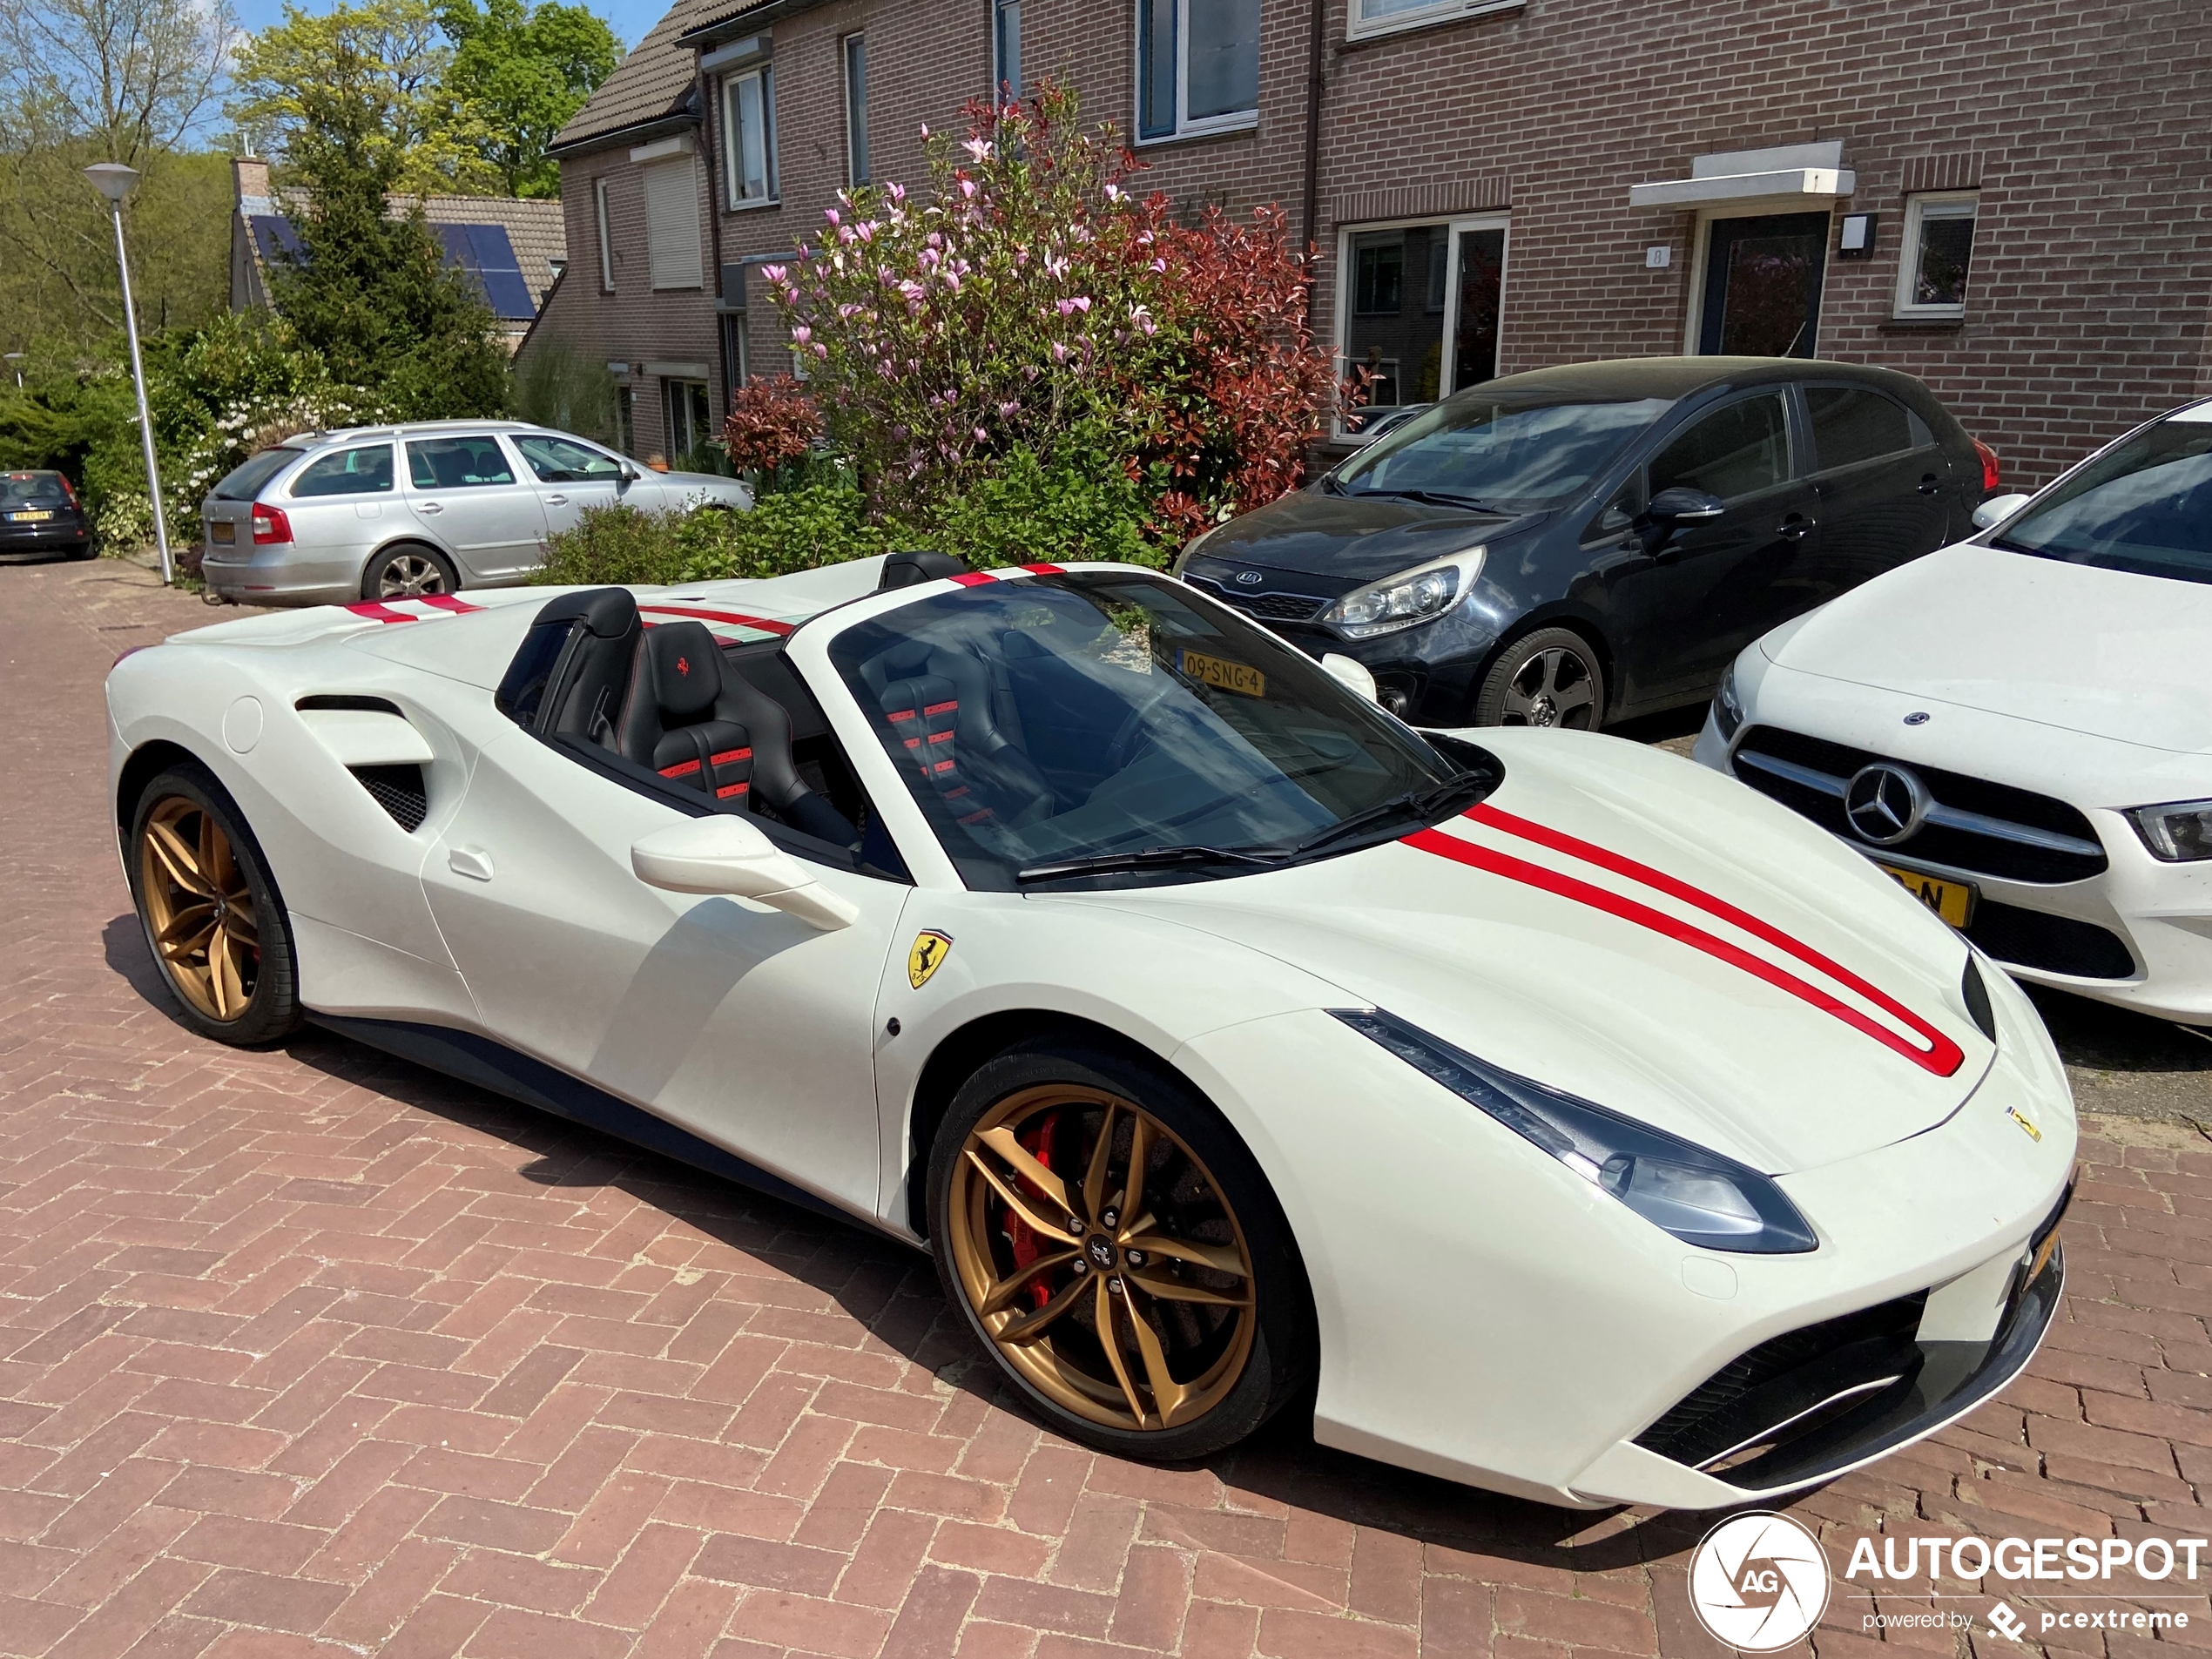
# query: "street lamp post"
114 181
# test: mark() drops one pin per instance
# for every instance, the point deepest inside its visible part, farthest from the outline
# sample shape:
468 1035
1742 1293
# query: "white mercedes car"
2017 727
1549 1115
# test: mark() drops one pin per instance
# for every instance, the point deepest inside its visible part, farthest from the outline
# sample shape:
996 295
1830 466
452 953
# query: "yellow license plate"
1222 674
28 518
1952 901
222 530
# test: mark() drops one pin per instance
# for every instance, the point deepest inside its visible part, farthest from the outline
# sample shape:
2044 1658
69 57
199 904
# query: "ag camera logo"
1759 1582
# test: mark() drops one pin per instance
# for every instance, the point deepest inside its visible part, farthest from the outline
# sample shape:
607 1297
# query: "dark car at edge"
1576 545
40 517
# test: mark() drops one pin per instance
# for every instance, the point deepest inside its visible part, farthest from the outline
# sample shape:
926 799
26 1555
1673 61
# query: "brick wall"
636 323
2080 126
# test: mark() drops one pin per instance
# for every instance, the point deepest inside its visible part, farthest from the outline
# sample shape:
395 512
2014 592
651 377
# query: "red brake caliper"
1020 1236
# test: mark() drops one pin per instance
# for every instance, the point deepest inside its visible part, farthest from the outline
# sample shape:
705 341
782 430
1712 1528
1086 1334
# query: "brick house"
1997 196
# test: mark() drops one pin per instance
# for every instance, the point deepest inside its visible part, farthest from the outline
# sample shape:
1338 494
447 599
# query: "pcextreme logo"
1759 1582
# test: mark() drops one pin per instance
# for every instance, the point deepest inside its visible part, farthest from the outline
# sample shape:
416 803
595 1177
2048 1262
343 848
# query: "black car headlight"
1728 707
1407 599
1699 1196
2178 833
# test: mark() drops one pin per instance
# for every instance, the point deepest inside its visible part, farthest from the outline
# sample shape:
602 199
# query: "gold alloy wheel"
199 909
1102 1258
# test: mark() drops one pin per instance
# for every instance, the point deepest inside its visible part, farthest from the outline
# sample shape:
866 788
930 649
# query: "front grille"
1785 1379
2054 944
1267 607
399 791
1975 826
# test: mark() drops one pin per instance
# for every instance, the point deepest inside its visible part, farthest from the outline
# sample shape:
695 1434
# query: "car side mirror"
724 854
1683 506
630 474
1348 671
1997 509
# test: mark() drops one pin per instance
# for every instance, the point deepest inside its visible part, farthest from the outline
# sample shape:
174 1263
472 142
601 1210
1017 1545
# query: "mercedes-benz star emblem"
1919 717
1249 578
1885 804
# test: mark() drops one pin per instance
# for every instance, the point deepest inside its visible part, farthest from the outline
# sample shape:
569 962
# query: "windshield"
1515 456
33 489
241 482
1090 714
2145 506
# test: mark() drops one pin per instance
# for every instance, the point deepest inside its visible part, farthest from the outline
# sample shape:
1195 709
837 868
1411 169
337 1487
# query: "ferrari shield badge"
930 948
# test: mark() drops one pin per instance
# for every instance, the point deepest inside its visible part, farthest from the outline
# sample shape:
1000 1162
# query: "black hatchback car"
40 517
1579 545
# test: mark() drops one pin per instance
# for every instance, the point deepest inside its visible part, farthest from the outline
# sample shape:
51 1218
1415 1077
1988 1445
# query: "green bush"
793 529
1077 506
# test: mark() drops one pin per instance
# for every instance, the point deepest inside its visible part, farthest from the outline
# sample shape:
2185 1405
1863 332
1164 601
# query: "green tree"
519 74
369 292
388 56
109 80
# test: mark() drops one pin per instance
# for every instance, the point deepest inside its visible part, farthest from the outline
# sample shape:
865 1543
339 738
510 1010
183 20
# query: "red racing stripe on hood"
448 602
376 612
1942 1056
766 624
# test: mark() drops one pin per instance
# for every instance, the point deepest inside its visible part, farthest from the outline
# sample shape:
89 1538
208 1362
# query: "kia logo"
1249 578
1885 804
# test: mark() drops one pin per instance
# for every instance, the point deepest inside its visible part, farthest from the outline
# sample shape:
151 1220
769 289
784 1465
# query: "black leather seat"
701 726
938 703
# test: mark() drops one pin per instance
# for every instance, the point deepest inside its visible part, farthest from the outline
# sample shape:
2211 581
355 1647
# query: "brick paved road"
307 1352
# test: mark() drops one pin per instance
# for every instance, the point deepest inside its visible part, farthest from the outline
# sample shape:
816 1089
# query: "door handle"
471 861
428 507
1797 527
1930 485
556 501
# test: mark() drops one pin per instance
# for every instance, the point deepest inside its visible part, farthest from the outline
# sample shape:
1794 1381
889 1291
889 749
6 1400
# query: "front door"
1762 280
1476 301
570 477
741 1024
464 491
1711 587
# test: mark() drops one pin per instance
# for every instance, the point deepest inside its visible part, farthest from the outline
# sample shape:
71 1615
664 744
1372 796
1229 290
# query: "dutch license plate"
1952 901
28 518
1222 674
222 530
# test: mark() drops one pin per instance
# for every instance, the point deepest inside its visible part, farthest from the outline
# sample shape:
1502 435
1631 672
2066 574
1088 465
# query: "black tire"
1278 1364
187 799
408 571
81 552
1550 678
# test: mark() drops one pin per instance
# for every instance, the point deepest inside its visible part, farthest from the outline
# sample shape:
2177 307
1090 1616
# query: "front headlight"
1407 599
2178 833
1728 707
1698 1197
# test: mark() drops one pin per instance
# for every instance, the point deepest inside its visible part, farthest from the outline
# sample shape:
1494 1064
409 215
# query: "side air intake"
399 791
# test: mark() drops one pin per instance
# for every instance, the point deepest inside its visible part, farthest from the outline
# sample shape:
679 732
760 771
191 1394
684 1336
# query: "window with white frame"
749 137
1197 66
1418 311
1939 249
856 109
606 236
1384 17
1005 48
672 223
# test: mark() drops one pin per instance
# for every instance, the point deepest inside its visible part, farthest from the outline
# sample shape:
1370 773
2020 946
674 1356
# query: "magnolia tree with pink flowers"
1037 360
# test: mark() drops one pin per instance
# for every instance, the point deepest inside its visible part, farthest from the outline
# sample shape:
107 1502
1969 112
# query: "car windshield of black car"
2144 506
1513 456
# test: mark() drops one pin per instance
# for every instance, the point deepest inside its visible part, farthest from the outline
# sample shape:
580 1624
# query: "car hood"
1605 1002
2105 652
1310 532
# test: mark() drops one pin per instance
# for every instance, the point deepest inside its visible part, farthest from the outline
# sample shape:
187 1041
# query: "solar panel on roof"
274 237
502 272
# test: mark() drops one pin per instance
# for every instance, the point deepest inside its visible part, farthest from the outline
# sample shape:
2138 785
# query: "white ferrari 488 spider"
1537 1109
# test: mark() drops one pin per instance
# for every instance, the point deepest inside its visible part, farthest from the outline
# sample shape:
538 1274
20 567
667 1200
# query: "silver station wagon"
395 512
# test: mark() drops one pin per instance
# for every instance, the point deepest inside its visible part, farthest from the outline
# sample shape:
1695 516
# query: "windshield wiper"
1439 498
1421 805
1333 485
1150 859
